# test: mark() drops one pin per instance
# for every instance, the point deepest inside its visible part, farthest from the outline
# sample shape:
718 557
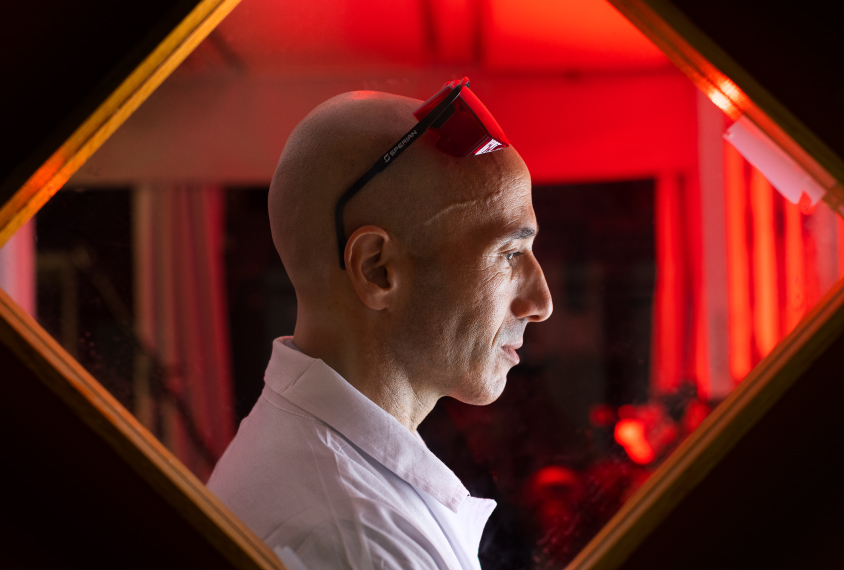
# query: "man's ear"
371 263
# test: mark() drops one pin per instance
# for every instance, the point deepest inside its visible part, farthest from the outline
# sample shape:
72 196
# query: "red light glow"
795 266
765 287
726 95
626 412
720 100
730 89
669 295
602 415
738 265
630 434
555 476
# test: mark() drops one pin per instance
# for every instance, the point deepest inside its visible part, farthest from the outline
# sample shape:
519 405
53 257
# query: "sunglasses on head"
463 127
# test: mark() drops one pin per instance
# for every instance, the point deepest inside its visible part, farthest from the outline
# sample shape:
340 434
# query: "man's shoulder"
373 538
284 463
271 447
297 482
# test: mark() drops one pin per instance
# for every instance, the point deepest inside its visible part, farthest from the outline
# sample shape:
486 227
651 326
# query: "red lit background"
581 94
584 98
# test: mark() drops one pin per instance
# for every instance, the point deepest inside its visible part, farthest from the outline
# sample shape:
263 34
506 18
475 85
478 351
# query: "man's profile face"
483 286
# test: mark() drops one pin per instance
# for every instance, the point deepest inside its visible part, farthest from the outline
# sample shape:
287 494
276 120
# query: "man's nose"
533 301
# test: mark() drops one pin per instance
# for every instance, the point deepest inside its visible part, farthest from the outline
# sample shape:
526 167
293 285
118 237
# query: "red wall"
231 128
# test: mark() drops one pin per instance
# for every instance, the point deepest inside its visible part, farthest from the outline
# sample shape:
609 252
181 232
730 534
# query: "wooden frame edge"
687 466
735 90
724 81
65 377
110 114
716 436
104 415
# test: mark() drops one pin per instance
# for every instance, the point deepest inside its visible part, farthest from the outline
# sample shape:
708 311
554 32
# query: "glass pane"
674 266
17 268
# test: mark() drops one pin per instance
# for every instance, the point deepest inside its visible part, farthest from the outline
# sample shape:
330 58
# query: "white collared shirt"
319 468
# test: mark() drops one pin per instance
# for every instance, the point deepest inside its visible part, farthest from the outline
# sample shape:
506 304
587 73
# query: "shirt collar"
316 388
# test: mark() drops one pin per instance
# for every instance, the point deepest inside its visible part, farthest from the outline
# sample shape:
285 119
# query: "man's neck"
372 374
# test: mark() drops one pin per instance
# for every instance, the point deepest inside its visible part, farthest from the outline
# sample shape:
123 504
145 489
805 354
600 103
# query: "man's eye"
510 257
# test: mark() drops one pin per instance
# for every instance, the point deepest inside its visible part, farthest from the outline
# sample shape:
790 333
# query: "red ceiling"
579 91
374 36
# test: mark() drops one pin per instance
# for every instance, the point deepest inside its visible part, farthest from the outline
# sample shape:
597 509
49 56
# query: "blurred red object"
644 432
602 415
554 492
626 411
630 434
554 476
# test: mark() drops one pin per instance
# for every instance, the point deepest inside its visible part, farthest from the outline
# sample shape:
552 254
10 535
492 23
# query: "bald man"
425 293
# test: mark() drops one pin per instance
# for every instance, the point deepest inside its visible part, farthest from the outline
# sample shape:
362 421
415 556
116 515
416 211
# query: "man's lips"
510 351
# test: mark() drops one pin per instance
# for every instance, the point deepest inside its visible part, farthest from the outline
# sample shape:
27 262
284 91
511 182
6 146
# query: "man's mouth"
510 351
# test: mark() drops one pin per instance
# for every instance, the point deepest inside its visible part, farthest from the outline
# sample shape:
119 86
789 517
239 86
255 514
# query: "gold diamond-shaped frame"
703 61
66 378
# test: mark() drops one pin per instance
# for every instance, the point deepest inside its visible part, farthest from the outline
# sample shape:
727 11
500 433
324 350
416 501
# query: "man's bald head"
440 278
331 148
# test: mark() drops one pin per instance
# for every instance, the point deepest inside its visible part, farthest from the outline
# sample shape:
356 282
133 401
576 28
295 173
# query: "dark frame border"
704 62
60 372
721 78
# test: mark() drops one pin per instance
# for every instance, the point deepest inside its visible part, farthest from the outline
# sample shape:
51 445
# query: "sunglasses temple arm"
417 131
341 204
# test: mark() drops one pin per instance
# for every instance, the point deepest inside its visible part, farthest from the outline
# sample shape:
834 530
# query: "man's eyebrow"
523 233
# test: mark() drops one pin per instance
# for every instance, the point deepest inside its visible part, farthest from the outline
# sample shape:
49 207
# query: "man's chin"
485 392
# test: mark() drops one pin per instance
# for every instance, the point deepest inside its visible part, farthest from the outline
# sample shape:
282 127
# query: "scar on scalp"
463 204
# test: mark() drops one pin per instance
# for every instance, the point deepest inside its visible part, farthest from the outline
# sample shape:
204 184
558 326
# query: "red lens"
485 119
471 129
462 134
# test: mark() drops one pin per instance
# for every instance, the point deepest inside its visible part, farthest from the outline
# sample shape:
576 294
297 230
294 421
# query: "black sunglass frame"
436 119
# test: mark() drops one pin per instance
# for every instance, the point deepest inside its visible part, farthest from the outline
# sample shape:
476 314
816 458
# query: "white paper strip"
770 159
